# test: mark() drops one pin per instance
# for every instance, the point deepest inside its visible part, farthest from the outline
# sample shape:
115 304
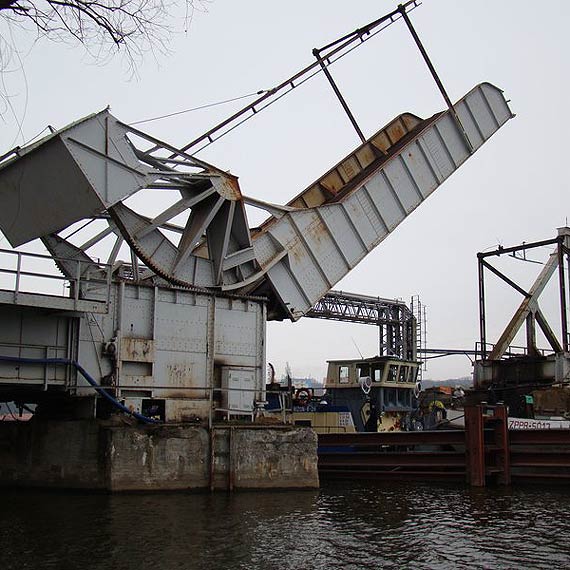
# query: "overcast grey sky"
514 189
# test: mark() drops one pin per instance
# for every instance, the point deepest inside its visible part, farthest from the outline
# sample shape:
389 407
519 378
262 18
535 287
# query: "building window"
343 374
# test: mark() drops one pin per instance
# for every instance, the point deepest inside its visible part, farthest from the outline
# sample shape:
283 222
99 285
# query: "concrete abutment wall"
94 455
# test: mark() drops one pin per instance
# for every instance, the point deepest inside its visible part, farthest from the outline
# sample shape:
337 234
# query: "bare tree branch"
133 26
4 4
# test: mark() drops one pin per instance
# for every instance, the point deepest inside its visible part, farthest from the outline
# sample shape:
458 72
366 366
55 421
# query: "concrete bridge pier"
103 456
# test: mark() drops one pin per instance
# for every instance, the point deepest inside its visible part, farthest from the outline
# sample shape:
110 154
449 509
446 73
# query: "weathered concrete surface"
52 454
157 457
94 455
264 459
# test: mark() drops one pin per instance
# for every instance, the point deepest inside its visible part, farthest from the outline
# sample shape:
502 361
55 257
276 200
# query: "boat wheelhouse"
380 392
370 394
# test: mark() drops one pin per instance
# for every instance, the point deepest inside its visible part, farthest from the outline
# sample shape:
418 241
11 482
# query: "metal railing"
482 350
35 273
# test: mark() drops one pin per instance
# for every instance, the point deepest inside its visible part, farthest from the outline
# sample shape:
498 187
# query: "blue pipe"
102 391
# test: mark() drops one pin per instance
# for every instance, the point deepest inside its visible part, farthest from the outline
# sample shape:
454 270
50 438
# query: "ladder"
419 313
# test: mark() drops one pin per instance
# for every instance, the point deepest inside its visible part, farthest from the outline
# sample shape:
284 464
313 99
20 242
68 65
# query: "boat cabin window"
403 376
363 370
392 372
343 374
391 396
378 371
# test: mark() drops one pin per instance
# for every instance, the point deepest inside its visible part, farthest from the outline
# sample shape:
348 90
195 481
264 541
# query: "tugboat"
364 395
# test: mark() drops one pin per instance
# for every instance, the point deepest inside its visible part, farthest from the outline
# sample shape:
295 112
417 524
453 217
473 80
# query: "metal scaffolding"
398 330
532 367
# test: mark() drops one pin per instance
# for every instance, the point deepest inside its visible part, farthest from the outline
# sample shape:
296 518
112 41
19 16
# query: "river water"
343 525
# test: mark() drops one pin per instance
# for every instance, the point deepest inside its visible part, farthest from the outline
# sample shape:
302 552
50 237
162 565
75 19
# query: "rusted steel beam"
398 474
490 450
506 250
406 438
475 446
562 478
502 453
212 464
540 458
562 285
482 310
506 279
426 459
539 436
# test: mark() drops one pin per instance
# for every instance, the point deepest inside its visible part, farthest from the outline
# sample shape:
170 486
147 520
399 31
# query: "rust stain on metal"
317 231
337 178
411 121
137 350
332 181
381 142
396 131
179 374
314 197
349 169
227 187
297 252
365 155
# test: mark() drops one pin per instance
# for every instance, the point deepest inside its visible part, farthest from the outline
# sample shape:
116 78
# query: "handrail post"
18 272
109 278
76 289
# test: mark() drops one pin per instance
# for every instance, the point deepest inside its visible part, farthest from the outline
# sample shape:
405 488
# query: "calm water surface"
353 526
